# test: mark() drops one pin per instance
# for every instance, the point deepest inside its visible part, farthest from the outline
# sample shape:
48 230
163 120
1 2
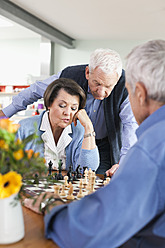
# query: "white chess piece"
70 195
57 189
63 191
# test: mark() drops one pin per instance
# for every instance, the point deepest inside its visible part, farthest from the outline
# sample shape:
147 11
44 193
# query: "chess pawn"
108 180
105 182
80 193
66 181
57 189
63 191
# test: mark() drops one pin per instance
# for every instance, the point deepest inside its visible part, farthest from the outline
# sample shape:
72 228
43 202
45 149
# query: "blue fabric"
74 154
117 212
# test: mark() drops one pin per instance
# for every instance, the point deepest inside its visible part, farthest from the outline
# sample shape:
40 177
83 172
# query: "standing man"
130 211
107 103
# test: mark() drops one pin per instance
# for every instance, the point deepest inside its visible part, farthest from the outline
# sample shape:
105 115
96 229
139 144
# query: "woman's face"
63 109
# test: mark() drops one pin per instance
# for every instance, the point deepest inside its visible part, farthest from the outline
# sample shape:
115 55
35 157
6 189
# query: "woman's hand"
89 142
84 119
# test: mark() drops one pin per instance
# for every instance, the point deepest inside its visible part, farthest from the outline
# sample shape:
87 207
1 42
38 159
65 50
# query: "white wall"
21 57
18 58
65 57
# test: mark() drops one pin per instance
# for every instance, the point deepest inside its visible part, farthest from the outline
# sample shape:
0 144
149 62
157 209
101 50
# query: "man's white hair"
146 64
107 60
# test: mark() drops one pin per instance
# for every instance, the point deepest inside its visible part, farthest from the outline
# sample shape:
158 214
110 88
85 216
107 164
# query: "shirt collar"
44 121
45 124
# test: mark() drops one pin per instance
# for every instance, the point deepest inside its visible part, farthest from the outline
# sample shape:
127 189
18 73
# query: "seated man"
130 211
73 143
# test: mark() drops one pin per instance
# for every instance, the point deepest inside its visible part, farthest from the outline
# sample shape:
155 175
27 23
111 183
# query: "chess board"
46 186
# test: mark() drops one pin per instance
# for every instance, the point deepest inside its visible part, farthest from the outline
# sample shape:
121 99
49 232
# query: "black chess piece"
105 176
50 168
36 180
55 176
59 175
79 172
75 176
69 174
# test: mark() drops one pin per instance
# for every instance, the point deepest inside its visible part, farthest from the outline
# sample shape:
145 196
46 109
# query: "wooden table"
34 233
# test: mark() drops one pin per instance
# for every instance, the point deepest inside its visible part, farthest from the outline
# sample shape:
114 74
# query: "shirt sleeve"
28 96
129 126
114 213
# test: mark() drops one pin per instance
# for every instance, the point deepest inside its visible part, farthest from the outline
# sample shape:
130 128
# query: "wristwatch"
90 134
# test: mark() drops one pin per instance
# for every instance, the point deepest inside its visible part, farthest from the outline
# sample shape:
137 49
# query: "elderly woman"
65 128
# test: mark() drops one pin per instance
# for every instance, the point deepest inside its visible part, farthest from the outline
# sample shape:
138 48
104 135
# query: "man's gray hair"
107 60
146 64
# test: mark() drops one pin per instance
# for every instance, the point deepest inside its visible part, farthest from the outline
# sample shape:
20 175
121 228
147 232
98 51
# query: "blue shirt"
93 107
135 195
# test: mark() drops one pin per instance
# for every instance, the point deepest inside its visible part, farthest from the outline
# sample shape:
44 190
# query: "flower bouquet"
16 165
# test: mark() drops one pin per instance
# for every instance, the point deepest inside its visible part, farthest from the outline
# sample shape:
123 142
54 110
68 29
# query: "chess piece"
59 175
69 185
84 169
89 173
80 193
63 191
57 189
86 179
105 176
92 184
66 181
50 168
75 176
36 180
78 171
108 180
70 195
69 174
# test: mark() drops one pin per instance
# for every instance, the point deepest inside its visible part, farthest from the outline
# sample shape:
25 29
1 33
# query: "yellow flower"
29 153
18 142
10 183
18 154
8 125
36 154
4 145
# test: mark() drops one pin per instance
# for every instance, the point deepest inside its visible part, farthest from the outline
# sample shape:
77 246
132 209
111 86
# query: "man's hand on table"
112 170
48 200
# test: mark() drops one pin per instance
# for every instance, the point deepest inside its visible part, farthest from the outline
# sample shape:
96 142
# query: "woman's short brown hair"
67 84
